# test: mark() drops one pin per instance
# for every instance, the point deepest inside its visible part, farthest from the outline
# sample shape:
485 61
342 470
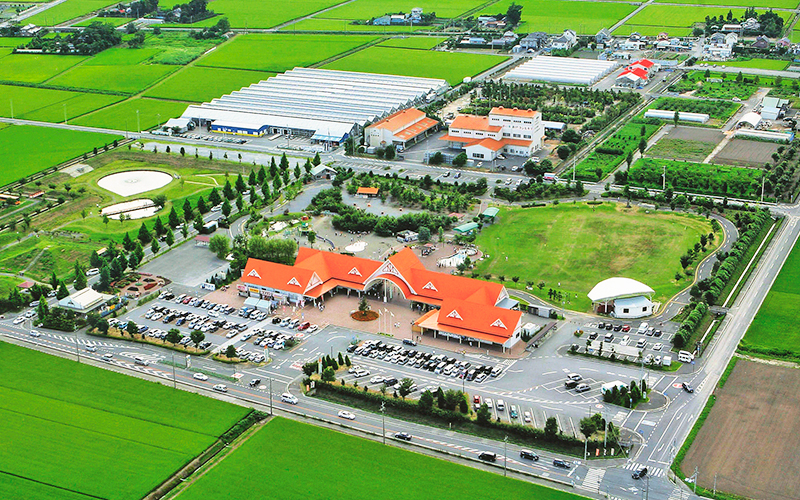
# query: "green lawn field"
779 4
278 53
579 245
554 16
345 26
772 64
35 68
367 9
8 283
413 42
130 78
361 469
9 41
248 14
43 148
123 116
775 329
200 84
66 11
450 66
95 433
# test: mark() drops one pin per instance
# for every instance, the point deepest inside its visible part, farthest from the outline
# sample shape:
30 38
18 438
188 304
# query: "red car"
304 326
476 402
626 328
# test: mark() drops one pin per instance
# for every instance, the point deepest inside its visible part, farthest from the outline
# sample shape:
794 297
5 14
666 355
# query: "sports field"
200 84
451 66
35 68
43 148
70 9
775 329
413 42
756 63
278 53
579 245
74 431
130 79
756 400
359 469
125 115
554 16
249 14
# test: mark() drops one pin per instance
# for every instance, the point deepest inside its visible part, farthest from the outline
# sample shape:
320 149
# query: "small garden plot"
697 178
746 152
127 79
718 111
176 48
35 68
614 150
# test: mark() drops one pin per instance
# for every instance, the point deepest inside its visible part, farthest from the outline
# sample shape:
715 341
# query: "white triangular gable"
454 314
254 273
294 282
354 271
313 282
430 286
499 324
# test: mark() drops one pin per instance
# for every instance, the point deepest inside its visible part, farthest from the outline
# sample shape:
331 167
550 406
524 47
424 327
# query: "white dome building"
622 298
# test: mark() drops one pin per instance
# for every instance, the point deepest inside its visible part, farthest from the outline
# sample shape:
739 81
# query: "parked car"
575 376
582 388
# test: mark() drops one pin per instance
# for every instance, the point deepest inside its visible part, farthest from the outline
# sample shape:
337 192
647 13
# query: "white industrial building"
773 108
666 114
622 298
562 69
326 105
518 132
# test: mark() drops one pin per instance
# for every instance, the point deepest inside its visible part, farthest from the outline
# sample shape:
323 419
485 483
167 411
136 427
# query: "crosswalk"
67 338
593 479
651 471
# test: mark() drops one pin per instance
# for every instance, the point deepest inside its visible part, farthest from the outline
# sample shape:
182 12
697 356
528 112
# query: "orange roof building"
402 128
513 131
369 192
465 308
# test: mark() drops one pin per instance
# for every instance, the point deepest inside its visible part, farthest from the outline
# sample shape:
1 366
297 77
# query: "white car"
312 328
291 399
221 388
353 369
91 348
93 271
19 320
527 416
361 373
377 379
625 340
231 334
200 376
346 414
657 347
213 314
488 402
35 333
108 357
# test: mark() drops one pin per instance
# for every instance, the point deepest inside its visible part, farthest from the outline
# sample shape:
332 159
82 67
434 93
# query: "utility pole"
505 456
12 108
383 420
715 484
664 179
174 380
77 350
270 396
696 472
762 188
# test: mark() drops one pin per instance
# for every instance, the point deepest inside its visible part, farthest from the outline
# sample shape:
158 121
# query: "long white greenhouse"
666 114
562 70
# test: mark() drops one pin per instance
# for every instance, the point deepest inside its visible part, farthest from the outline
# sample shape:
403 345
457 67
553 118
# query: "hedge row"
728 268
242 425
689 325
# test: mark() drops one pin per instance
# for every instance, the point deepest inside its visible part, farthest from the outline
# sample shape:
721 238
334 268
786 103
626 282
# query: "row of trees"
626 396
91 40
689 325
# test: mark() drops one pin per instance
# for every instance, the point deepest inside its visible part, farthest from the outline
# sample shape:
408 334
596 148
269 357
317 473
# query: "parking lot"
625 341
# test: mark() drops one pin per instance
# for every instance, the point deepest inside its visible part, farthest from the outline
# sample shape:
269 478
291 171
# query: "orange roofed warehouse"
464 309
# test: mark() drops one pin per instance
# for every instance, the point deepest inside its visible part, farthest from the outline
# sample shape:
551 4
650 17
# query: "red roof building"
466 308
402 128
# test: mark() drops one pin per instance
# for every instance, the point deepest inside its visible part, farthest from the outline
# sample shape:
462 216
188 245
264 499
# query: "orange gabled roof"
416 129
399 120
475 320
350 271
647 63
456 138
522 113
471 122
517 142
277 276
434 287
489 143
367 190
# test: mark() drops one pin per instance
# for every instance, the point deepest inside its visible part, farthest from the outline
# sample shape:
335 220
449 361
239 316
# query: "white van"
141 361
642 328
685 356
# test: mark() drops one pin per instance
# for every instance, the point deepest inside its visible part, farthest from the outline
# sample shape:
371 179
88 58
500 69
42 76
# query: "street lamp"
505 456
174 380
270 396
383 420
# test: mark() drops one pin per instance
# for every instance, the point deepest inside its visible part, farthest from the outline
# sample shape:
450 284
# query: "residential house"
662 36
566 41
761 42
416 14
784 42
731 28
518 132
508 38
382 21
602 36
751 24
534 41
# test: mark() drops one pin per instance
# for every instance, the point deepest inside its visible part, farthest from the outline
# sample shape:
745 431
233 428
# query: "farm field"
413 42
367 9
744 152
35 68
580 245
248 14
344 25
756 398
17 162
450 66
288 443
114 21
613 151
681 149
105 423
121 56
123 116
281 52
756 63
656 18
31 103
129 79
774 331
778 4
66 11
554 16
175 48
699 178
717 111
201 84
